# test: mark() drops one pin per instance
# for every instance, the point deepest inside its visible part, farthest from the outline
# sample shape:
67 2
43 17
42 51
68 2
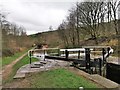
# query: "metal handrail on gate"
41 55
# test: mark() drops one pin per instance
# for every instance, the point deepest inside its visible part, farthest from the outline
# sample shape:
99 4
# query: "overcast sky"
37 15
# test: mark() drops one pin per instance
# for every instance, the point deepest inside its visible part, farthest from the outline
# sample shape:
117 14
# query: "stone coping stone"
19 76
104 81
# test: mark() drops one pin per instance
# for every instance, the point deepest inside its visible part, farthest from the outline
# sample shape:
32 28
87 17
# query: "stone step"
19 76
104 81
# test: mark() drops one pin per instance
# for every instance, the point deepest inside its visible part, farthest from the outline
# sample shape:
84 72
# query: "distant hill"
50 37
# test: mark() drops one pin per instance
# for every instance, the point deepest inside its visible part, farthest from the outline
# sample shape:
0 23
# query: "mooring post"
87 58
30 56
79 54
66 54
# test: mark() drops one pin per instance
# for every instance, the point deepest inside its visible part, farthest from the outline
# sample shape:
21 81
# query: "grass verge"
22 62
59 78
9 59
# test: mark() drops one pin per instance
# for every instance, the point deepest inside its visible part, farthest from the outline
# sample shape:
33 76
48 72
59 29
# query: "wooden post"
66 54
58 52
30 56
44 55
79 54
100 66
87 58
108 49
103 53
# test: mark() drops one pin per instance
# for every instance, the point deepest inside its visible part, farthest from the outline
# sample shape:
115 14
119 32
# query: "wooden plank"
61 58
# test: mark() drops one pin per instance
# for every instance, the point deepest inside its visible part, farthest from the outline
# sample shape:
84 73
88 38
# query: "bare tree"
71 28
63 34
90 17
13 36
50 28
114 9
77 23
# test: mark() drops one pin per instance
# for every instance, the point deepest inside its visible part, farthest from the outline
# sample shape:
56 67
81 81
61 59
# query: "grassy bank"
22 62
59 78
9 59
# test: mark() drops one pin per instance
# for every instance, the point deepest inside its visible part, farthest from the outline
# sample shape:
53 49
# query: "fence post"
44 55
100 66
87 58
58 52
103 53
79 54
66 54
108 49
30 57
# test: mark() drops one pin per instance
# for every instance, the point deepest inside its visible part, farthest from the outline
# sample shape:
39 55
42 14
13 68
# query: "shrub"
7 52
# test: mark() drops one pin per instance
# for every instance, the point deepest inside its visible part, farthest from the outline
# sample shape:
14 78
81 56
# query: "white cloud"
36 16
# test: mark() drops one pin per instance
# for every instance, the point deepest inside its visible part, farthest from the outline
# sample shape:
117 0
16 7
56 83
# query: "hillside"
52 38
